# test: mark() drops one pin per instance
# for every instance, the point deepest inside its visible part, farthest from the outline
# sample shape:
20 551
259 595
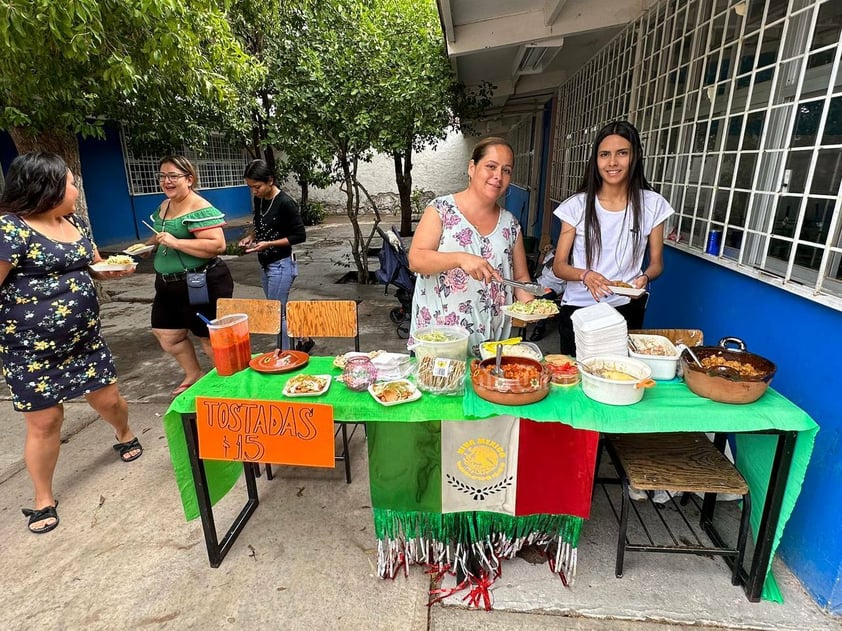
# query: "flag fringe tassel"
472 544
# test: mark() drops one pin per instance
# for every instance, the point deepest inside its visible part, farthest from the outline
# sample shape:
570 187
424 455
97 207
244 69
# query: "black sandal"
125 448
40 514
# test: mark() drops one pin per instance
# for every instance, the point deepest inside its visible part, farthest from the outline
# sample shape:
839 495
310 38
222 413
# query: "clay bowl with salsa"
523 380
727 375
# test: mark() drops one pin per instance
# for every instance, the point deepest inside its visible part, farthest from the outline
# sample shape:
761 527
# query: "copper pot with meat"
522 380
726 374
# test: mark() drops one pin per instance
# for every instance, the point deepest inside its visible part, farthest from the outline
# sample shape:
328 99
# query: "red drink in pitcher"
229 337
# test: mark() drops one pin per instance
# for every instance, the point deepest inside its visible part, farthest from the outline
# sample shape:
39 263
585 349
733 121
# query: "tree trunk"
66 145
305 193
352 209
60 142
403 178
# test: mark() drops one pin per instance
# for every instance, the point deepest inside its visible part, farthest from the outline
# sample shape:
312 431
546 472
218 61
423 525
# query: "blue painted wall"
804 339
234 202
115 215
517 203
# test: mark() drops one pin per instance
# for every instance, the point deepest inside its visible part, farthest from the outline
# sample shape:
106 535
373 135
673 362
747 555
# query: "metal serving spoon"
684 347
497 372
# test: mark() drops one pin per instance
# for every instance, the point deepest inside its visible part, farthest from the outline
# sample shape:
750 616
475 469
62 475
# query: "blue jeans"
276 279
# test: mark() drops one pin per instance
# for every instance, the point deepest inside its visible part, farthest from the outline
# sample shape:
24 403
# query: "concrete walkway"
125 558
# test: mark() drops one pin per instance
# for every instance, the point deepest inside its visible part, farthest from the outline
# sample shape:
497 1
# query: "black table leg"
771 513
216 549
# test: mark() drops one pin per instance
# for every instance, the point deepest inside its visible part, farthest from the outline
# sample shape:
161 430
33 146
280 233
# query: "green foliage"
171 67
313 213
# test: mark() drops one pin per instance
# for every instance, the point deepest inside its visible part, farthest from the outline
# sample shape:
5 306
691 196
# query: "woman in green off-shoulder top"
190 238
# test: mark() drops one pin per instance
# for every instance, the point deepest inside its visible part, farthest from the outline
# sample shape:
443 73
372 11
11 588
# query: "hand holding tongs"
531 288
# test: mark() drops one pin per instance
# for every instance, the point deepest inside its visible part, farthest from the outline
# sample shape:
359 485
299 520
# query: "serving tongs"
531 288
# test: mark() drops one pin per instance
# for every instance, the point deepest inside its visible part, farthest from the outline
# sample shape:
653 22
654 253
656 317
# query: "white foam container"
609 391
664 367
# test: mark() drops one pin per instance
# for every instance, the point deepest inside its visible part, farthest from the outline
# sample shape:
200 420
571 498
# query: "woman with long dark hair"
50 341
606 230
277 227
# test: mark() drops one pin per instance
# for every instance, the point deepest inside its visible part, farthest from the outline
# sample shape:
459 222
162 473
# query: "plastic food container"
613 391
451 342
657 352
521 349
563 370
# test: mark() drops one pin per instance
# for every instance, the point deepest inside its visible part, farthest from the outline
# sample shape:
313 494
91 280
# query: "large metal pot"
722 383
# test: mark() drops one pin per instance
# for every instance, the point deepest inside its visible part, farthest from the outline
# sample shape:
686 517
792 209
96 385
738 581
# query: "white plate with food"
532 311
340 360
307 386
138 248
394 392
116 263
625 289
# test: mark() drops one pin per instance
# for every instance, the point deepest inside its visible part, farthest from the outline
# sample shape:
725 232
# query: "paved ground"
124 557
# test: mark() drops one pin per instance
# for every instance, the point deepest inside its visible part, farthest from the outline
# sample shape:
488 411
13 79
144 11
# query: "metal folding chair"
326 318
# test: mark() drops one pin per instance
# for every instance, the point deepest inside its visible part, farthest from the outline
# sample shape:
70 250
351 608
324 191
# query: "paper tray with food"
532 311
115 263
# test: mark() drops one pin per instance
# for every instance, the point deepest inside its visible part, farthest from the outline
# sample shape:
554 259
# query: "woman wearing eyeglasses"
188 232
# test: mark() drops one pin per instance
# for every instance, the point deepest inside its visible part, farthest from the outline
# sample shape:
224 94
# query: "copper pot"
724 384
509 391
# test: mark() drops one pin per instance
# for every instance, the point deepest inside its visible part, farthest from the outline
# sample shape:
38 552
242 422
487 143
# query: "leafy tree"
170 68
280 118
417 96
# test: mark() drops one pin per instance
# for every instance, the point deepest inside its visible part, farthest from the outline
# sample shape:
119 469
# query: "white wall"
441 170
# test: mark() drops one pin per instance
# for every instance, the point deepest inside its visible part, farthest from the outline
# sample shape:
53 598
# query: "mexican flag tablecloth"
468 472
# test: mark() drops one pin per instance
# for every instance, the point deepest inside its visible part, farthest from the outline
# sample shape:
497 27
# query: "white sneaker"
636 494
661 497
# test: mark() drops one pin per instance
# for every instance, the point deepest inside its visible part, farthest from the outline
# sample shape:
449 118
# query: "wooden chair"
326 318
264 319
264 315
682 463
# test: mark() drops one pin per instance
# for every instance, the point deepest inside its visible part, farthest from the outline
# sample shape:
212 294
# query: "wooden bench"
679 463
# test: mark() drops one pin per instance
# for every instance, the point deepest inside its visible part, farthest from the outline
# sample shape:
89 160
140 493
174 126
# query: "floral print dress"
50 342
452 297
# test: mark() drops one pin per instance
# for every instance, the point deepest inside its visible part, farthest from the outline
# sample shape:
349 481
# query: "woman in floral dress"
50 342
463 245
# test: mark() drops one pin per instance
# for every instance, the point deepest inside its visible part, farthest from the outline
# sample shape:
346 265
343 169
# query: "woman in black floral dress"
50 342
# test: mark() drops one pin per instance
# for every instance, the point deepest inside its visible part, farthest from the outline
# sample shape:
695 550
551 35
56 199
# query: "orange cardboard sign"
276 432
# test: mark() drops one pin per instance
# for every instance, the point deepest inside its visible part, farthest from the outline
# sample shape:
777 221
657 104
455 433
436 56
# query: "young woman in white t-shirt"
607 228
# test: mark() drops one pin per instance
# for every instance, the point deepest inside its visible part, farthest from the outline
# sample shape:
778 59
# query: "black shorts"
171 308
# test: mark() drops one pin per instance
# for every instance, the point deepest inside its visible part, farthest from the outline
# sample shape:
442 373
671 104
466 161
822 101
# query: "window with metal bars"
739 105
219 165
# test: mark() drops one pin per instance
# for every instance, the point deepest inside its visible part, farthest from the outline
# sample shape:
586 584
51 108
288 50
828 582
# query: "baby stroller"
394 270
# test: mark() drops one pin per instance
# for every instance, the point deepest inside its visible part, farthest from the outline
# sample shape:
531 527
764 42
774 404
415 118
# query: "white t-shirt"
619 260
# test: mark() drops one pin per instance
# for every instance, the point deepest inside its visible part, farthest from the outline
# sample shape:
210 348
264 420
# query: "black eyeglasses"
171 177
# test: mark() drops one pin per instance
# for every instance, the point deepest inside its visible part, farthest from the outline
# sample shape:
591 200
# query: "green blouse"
169 261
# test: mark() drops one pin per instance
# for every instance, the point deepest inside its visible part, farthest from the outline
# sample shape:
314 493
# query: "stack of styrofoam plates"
600 330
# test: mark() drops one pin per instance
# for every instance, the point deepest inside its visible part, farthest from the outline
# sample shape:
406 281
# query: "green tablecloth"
668 407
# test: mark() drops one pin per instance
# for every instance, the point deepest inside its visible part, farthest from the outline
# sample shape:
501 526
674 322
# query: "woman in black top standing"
277 227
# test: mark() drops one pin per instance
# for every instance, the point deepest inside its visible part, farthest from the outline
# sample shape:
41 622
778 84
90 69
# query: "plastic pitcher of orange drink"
229 338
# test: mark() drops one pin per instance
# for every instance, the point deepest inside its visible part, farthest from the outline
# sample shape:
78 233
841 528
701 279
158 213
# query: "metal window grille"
739 105
218 164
